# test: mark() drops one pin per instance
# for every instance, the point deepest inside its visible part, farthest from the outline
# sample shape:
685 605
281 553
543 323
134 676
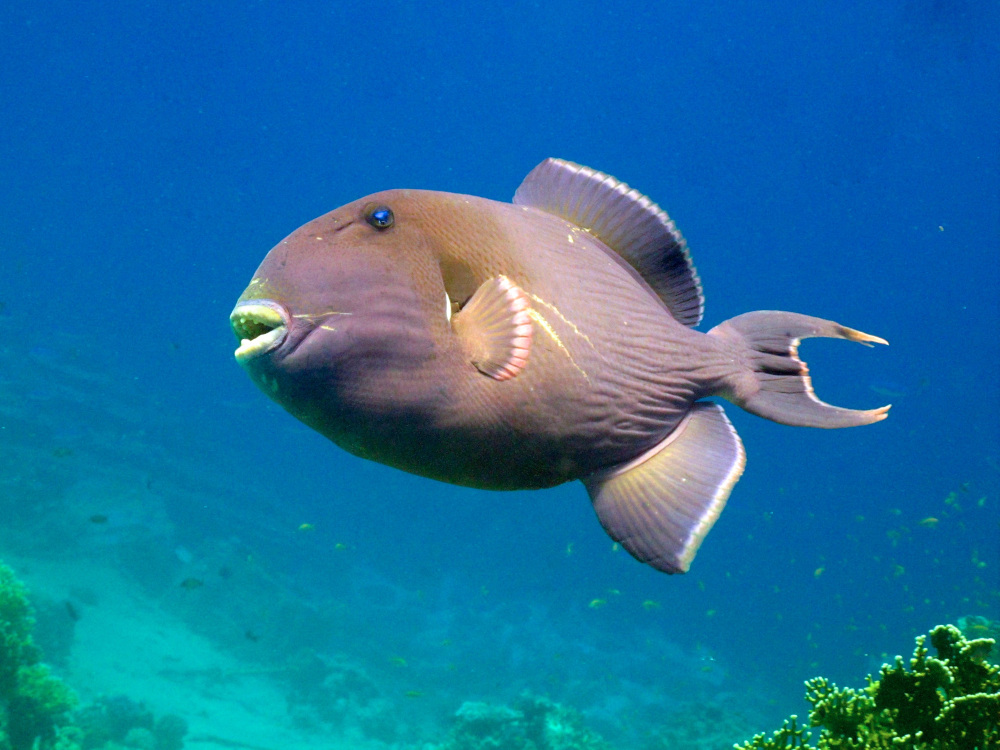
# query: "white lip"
260 326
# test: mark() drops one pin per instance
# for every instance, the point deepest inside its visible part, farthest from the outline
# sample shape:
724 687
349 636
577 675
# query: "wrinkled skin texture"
372 361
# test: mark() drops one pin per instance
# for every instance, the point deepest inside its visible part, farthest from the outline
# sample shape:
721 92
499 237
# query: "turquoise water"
193 547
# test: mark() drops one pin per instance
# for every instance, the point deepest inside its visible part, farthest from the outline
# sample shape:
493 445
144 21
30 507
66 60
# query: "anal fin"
495 328
661 505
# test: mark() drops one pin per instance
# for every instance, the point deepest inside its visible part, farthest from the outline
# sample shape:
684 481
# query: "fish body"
522 345
391 381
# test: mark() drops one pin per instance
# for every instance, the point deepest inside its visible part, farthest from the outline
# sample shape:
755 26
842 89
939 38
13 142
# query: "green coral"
789 737
33 703
946 702
16 623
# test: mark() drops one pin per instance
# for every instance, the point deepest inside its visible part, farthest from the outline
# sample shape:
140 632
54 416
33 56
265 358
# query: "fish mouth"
260 325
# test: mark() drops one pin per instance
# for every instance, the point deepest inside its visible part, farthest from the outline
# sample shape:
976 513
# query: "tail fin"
774 382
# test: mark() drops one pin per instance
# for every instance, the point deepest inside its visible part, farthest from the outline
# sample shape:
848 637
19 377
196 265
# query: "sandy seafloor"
212 624
162 572
127 645
120 639
103 626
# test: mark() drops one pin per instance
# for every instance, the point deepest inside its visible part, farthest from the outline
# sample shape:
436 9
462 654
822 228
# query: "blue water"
840 160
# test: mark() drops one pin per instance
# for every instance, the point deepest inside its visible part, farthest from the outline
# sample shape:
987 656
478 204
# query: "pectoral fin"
661 505
495 328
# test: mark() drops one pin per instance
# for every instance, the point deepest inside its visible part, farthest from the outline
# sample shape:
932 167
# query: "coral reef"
35 706
33 703
117 721
331 693
946 702
531 723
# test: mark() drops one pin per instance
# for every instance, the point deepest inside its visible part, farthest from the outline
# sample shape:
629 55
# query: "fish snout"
260 325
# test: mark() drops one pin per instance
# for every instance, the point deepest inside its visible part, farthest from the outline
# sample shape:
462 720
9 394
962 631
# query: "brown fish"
519 346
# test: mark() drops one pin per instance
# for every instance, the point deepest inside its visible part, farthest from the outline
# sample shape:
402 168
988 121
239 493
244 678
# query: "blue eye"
379 216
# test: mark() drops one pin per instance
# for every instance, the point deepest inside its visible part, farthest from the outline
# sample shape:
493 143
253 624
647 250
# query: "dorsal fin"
626 221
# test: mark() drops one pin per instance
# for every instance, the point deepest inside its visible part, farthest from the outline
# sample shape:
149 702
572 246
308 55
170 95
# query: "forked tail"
773 382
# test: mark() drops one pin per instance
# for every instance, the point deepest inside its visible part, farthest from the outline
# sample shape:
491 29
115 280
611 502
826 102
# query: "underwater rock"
119 720
701 726
332 692
55 627
140 738
478 723
169 731
948 701
110 719
532 723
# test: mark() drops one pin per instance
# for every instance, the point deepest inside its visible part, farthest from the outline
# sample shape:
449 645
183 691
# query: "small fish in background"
512 346
98 518
896 391
190 584
706 659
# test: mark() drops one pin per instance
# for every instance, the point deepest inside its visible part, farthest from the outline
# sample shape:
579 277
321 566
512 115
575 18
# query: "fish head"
346 307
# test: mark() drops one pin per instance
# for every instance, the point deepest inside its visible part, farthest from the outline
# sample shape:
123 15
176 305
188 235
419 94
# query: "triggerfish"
521 345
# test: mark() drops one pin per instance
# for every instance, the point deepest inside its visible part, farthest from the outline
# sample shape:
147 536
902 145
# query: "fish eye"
379 215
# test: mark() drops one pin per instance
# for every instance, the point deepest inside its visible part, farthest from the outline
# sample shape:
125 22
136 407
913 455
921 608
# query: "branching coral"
33 703
789 737
946 702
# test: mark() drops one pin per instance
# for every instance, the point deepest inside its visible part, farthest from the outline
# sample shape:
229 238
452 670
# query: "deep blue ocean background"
840 160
